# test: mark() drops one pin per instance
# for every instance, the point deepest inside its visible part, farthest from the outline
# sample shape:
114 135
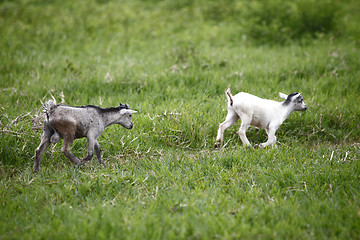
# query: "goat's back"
76 121
79 114
259 110
252 100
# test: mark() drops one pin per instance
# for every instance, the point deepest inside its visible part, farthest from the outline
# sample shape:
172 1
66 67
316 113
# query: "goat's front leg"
68 140
98 153
91 145
231 118
45 142
271 138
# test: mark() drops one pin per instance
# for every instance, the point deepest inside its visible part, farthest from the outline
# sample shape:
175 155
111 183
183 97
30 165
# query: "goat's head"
125 116
295 99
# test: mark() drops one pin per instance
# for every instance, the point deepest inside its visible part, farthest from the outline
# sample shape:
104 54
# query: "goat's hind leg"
45 142
245 124
68 140
242 133
231 118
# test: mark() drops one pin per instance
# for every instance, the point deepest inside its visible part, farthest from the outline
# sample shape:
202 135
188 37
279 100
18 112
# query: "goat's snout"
130 126
304 108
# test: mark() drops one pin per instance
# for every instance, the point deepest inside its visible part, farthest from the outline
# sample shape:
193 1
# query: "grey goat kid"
70 123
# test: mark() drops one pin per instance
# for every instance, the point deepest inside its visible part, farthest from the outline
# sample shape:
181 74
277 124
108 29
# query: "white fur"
258 112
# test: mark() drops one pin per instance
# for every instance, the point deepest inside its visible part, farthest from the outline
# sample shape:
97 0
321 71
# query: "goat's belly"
256 122
80 133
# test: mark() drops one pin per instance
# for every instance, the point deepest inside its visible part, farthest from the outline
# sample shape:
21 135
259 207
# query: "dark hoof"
36 168
81 164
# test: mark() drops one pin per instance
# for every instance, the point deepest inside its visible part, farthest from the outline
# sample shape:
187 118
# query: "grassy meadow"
171 61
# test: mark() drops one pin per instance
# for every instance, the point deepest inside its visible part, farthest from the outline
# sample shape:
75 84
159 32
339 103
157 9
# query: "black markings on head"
289 98
123 106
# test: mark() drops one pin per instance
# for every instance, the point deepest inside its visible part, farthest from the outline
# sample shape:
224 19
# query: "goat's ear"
297 95
283 95
129 111
125 106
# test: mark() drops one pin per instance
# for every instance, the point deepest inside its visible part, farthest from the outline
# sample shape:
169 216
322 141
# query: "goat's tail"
47 107
229 96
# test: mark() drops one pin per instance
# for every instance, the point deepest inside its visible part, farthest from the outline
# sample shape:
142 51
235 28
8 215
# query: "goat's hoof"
218 144
81 163
36 168
256 146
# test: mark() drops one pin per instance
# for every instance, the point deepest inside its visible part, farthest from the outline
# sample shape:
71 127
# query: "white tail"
228 95
47 107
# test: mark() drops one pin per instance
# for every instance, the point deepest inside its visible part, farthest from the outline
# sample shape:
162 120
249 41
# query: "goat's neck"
285 111
110 118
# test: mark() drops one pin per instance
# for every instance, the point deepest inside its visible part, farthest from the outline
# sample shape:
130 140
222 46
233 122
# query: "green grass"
171 61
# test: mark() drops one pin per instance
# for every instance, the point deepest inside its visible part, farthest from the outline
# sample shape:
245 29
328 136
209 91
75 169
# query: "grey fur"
70 123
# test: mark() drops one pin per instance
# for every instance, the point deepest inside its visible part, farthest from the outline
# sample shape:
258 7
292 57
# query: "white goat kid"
258 112
69 123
